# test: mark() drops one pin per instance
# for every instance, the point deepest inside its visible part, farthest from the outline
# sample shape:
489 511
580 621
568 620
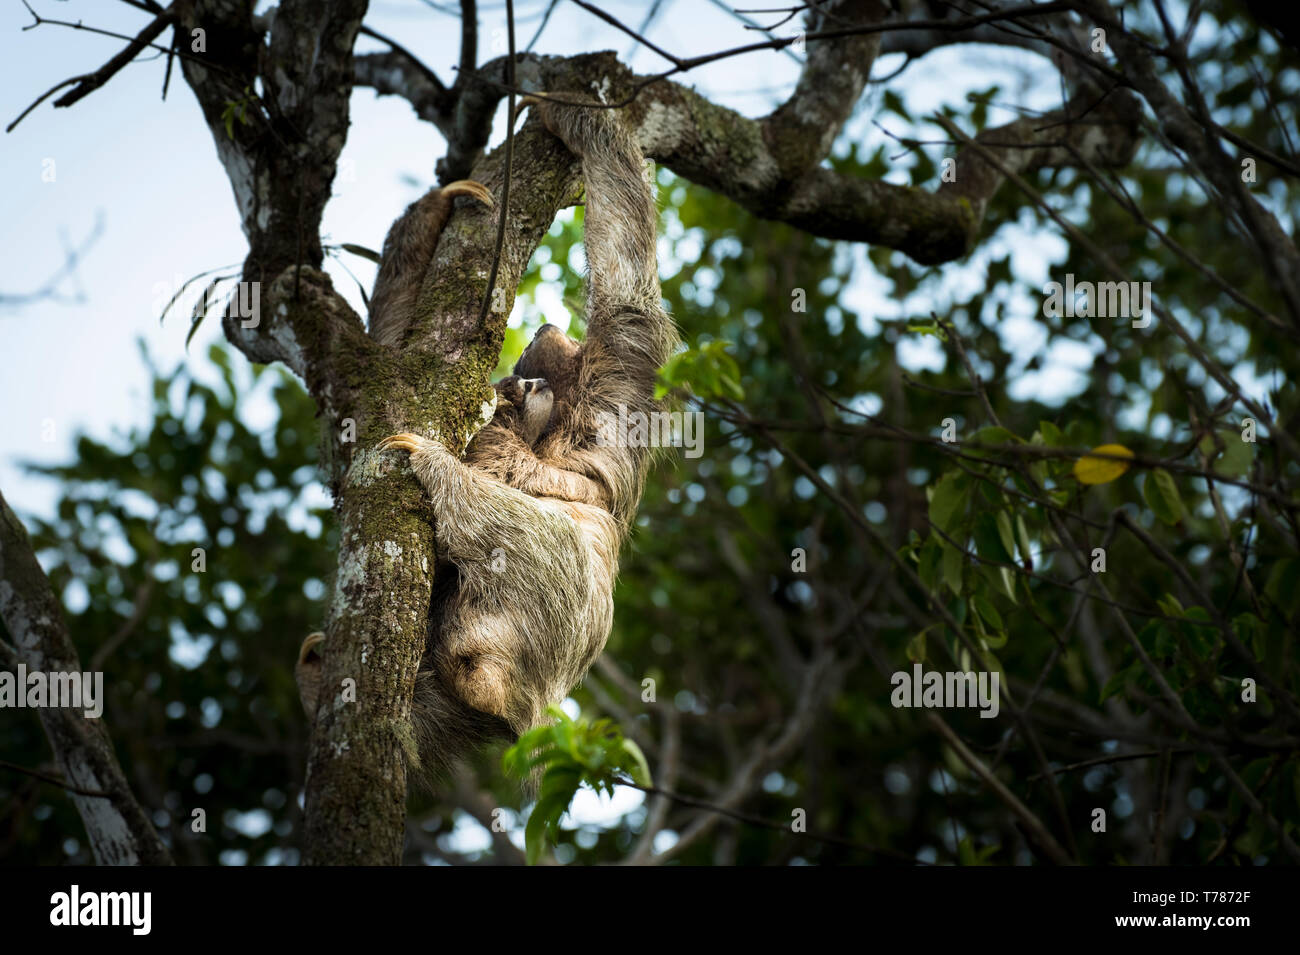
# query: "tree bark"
119 830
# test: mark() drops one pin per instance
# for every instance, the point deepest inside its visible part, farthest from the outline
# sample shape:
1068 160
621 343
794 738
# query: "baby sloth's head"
533 401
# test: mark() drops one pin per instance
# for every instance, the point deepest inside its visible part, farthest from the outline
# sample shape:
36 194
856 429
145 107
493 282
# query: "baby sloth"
506 447
530 404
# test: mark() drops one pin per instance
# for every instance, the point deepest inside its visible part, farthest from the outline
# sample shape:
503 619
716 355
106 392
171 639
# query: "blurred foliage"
197 665
707 372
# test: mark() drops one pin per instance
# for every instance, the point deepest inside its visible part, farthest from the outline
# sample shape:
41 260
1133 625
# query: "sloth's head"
533 400
554 356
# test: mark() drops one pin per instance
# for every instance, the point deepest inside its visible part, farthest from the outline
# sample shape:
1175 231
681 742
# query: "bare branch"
95 80
53 780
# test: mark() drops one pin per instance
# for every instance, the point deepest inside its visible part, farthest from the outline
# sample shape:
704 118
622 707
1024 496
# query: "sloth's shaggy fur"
529 529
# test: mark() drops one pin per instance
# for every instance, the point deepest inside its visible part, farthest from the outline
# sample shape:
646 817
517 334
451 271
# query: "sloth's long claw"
405 441
308 645
531 99
306 673
468 187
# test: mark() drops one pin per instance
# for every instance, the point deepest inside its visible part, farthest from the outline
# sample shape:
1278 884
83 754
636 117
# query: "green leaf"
641 774
988 613
1117 682
1250 630
1004 532
948 501
1052 436
1161 494
362 251
708 371
1008 580
194 327
1283 587
929 328
1025 552
1170 606
928 568
544 823
894 103
995 435
995 641
953 561
989 542
915 649
967 854
574 751
1228 454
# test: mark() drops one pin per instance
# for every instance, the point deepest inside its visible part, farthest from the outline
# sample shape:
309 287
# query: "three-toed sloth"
529 525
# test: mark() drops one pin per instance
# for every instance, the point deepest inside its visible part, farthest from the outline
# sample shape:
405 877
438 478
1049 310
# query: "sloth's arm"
620 215
474 513
408 252
500 452
629 335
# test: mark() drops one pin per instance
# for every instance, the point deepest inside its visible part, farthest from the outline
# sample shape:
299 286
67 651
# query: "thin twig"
54 780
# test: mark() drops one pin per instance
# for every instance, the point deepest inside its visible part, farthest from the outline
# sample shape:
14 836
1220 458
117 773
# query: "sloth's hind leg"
476 660
408 254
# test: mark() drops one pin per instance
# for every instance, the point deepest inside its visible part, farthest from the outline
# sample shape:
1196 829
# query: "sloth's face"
534 400
554 356
539 401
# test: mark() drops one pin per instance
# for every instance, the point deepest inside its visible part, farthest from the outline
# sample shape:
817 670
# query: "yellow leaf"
1095 470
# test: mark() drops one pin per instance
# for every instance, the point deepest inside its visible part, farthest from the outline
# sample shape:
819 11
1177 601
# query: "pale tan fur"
530 531
535 601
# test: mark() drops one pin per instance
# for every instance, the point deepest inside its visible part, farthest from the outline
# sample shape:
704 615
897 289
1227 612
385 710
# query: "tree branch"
118 829
770 165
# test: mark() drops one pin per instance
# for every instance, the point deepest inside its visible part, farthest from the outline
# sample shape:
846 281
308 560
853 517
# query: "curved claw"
306 673
532 99
308 648
468 187
404 441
